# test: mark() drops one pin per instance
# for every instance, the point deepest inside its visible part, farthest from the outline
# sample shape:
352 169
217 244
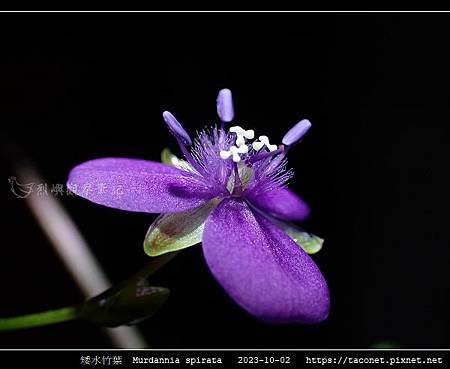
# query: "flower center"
246 154
240 164
241 147
234 153
245 176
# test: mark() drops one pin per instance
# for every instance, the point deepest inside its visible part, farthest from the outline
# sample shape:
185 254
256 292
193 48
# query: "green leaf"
176 231
130 301
310 243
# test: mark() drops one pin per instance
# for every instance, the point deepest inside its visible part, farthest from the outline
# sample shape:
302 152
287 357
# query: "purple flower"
228 193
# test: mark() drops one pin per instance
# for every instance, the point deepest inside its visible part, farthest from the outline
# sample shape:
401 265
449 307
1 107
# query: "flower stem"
74 312
39 319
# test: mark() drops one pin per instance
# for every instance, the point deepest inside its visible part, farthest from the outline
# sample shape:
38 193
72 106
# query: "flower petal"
281 203
261 268
138 185
176 231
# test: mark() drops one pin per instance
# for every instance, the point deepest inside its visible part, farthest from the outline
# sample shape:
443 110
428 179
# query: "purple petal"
261 268
137 185
296 133
225 109
281 203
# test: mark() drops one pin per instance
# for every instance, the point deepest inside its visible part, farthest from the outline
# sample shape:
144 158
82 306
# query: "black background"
373 168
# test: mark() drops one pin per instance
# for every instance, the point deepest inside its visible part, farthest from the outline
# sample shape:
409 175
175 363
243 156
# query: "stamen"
240 140
266 154
225 154
176 128
237 130
257 145
264 141
272 148
243 149
225 109
234 153
296 132
242 134
249 134
183 139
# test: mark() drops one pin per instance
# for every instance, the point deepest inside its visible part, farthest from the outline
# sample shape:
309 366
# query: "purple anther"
225 108
177 129
296 133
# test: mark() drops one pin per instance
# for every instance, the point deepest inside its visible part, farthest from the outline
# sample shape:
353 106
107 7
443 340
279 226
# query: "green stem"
78 311
39 319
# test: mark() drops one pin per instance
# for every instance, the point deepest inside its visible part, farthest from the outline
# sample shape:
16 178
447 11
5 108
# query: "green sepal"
309 242
167 157
176 231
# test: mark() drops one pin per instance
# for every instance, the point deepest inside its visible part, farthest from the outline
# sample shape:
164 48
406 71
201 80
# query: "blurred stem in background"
76 255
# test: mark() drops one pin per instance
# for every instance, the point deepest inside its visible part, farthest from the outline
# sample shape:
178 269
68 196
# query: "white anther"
257 145
272 147
242 135
237 130
225 154
234 153
236 158
264 141
243 149
240 140
249 134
